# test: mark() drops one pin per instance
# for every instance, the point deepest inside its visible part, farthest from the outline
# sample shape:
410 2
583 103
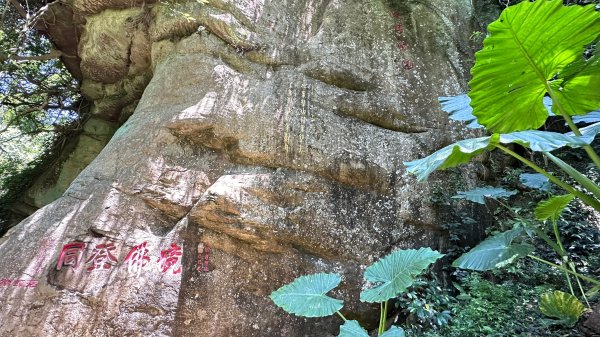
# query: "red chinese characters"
399 29
5 282
70 255
169 258
102 258
407 64
137 258
203 256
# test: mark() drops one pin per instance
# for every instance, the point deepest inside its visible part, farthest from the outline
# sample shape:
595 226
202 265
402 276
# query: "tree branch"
54 53
22 12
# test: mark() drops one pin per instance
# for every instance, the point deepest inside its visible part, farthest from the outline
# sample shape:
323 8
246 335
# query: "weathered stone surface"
591 324
55 181
268 144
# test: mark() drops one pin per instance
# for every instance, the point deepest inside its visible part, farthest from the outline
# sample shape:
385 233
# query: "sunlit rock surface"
263 140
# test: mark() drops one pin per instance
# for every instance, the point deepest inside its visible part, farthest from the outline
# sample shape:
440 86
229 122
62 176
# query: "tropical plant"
390 276
539 59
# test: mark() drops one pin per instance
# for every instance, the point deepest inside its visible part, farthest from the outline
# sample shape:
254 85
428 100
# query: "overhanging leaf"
394 331
588 133
479 194
563 306
591 117
526 47
449 156
352 329
458 109
543 140
553 207
305 296
395 272
464 150
494 252
535 180
581 73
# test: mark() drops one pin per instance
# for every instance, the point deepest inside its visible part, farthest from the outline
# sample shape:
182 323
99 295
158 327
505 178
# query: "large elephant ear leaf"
394 273
494 252
566 307
352 329
450 156
479 194
394 331
305 296
525 51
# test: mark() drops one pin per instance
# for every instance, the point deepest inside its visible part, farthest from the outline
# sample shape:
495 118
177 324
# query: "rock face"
263 140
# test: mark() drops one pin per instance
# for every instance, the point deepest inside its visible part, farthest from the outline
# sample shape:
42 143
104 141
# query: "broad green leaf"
394 331
582 63
536 181
305 296
464 150
449 156
563 306
553 207
591 117
494 252
526 48
352 329
588 133
543 140
395 272
458 109
479 194
581 73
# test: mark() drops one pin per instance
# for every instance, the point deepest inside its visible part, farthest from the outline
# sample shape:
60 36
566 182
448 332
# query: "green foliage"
553 207
488 309
535 181
39 100
563 306
395 272
353 329
534 50
306 297
465 150
494 252
479 194
392 274
450 156
425 306
514 71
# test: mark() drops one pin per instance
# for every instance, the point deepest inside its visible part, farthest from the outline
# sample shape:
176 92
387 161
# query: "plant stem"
583 277
584 197
569 283
561 110
382 314
572 265
563 253
385 311
342 316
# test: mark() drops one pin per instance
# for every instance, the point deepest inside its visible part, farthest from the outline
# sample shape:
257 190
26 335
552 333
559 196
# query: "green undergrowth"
505 301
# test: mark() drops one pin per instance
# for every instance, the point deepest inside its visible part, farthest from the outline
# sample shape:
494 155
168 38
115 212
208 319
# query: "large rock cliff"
260 140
